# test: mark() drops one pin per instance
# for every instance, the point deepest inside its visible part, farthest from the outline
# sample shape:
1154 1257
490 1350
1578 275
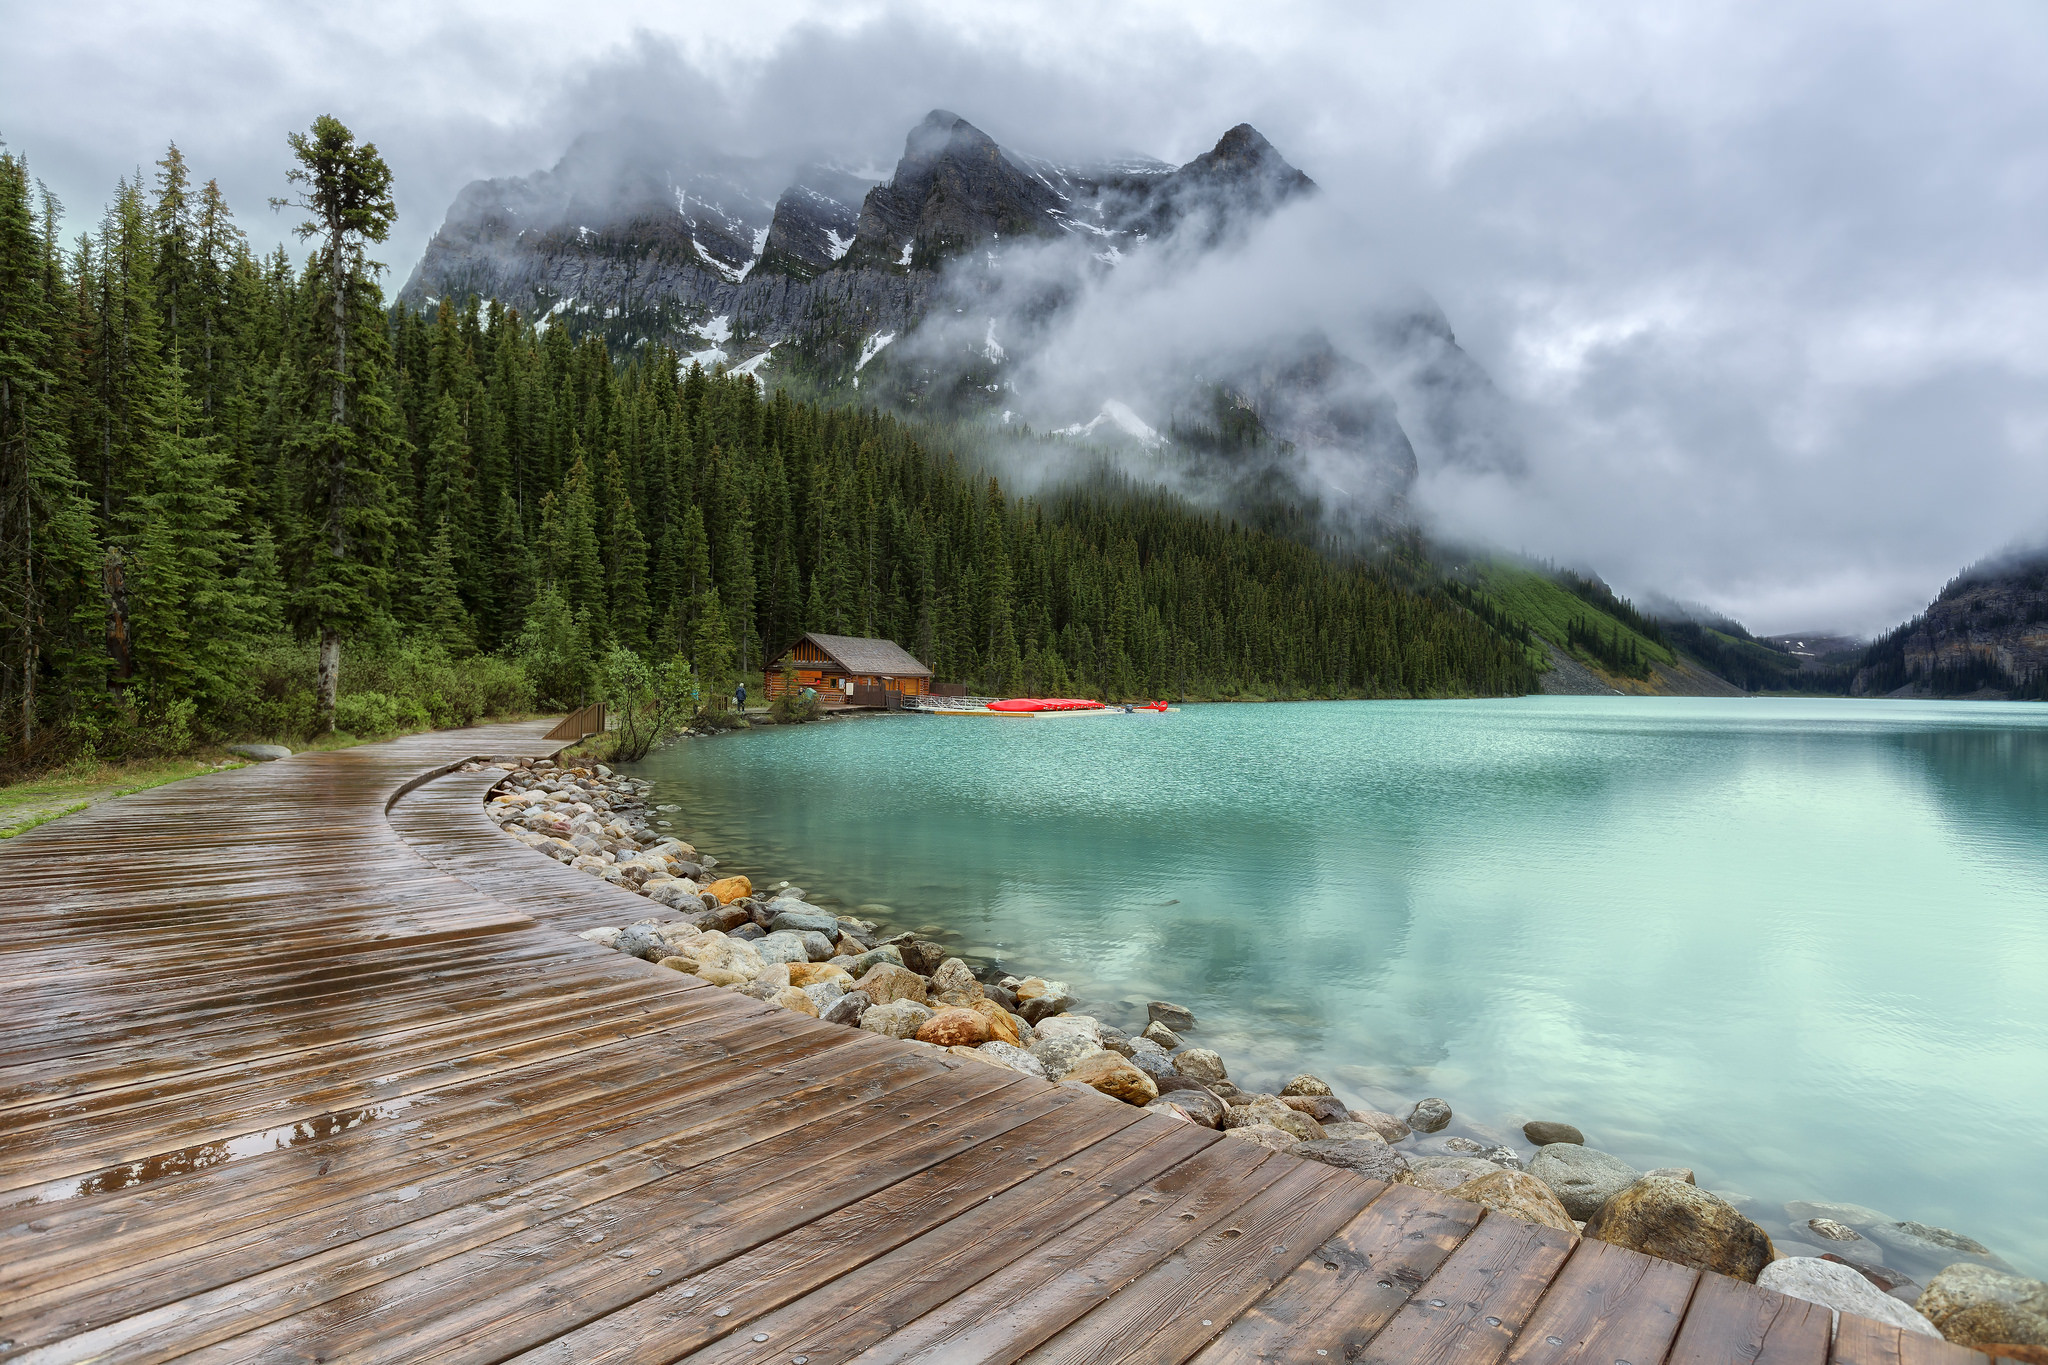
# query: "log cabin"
848 670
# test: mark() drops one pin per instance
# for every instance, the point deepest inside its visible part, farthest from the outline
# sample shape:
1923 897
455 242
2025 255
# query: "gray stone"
1042 1007
1363 1131
817 945
824 994
1429 1115
847 1009
1858 1215
1388 1127
1059 1052
749 933
1829 1230
1683 1173
858 967
1172 1016
1445 1173
1200 1064
1368 1158
1084 1024
1582 1178
1305 1085
260 753
1546 1134
1162 1035
641 941
1015 1058
1842 1289
805 919
1938 1245
759 990
1966 1285
783 947
1199 1105
897 1019
1157 1065
1115 1039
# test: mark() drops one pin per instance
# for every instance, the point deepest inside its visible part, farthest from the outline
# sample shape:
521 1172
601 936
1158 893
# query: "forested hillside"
238 496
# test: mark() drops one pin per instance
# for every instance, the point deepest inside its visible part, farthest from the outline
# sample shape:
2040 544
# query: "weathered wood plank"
1731 1323
1861 1341
1608 1304
1471 1309
1351 1286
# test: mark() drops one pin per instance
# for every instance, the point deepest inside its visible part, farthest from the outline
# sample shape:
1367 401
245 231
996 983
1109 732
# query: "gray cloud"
1765 286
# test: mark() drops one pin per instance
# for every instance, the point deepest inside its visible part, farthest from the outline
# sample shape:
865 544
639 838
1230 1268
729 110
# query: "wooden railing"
580 724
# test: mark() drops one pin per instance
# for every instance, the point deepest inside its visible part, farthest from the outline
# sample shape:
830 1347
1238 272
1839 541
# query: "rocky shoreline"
776 946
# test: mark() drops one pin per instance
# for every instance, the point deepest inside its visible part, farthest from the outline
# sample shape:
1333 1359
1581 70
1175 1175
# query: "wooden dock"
303 1062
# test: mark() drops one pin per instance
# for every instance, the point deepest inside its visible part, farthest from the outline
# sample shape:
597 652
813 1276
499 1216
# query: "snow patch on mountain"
1118 417
991 349
872 347
836 244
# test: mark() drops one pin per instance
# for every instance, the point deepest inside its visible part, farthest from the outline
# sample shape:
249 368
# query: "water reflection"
1745 936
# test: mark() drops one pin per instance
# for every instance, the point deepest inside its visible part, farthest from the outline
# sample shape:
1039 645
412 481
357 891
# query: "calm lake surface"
1800 946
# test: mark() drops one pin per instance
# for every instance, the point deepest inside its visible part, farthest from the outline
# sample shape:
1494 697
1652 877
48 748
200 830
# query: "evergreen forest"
241 497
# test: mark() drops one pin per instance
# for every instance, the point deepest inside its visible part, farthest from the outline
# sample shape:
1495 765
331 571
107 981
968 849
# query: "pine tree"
48 548
445 615
625 565
346 444
189 615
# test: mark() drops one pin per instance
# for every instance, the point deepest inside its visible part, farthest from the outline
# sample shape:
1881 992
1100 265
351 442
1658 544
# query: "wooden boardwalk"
302 1063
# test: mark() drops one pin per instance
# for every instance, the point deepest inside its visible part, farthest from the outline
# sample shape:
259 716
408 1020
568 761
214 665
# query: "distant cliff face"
1987 634
822 274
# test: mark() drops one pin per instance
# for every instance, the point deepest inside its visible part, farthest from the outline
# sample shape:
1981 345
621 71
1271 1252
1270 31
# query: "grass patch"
39 800
1548 608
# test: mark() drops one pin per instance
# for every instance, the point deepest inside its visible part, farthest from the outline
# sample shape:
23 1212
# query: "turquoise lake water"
1800 946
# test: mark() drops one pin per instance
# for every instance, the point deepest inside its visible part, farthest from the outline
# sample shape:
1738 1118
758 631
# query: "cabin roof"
858 655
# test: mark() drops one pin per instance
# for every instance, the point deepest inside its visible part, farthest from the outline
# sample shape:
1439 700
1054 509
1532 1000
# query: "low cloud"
1761 287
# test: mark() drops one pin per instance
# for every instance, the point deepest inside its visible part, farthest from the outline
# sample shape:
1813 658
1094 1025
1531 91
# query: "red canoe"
1045 704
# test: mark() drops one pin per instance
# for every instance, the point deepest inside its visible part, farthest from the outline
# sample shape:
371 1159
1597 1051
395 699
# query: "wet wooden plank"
1470 1310
694 1213
1731 1323
1193 1294
1862 1341
1608 1304
703 1307
1351 1286
152 1244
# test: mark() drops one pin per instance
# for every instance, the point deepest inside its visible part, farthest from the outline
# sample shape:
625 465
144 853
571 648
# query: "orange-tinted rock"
811 973
1001 1027
954 1028
729 889
1115 1077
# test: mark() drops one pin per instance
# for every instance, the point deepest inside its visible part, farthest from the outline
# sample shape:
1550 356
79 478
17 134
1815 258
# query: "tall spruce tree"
190 616
345 446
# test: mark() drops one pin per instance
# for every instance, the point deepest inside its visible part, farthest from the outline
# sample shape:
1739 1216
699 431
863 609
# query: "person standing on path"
739 695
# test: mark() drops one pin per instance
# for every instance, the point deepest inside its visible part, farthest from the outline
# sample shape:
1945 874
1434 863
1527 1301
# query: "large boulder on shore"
1200 1064
1675 1221
1582 1178
1971 1304
1518 1195
1834 1285
1428 1116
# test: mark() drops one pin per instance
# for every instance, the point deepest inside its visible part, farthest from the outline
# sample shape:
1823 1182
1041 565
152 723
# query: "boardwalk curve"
303 1062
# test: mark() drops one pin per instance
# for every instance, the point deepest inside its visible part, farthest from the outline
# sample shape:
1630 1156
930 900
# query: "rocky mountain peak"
954 187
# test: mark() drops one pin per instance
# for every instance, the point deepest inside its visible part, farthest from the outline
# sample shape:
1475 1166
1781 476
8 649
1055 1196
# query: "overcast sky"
1768 282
